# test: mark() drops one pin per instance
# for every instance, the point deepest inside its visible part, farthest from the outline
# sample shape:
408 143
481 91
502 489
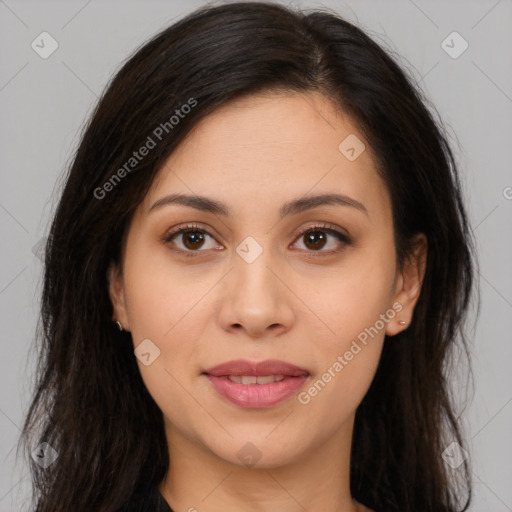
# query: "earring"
402 322
118 323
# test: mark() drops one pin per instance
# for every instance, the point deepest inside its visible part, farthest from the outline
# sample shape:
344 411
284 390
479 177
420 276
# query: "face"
264 272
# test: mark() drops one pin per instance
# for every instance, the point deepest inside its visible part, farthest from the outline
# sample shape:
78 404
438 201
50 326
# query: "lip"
256 395
257 368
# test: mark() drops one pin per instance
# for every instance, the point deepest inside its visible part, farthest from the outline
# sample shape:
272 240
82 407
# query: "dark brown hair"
90 403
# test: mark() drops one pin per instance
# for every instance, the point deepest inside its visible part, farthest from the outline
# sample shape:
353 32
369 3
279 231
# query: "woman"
256 274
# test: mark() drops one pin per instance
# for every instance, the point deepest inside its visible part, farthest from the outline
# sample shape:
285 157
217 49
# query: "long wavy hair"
90 403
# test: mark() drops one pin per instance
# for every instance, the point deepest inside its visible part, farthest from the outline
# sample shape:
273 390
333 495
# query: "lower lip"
257 395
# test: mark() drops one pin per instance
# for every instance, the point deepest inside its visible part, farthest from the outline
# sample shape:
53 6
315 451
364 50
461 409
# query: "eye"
189 238
317 237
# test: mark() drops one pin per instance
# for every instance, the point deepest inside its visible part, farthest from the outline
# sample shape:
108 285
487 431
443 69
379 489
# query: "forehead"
268 148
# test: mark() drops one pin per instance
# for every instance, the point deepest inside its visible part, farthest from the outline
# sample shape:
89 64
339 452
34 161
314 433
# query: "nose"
257 298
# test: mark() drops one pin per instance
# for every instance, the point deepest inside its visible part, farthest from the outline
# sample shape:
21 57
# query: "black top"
147 500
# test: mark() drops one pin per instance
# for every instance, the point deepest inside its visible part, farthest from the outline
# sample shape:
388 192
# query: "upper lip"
256 368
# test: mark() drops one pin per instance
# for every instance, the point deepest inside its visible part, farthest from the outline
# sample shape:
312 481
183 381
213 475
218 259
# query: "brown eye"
190 239
316 238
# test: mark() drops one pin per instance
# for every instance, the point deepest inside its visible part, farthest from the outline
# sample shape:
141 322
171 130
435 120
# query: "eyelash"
328 228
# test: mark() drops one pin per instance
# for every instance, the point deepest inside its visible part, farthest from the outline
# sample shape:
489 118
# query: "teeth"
252 379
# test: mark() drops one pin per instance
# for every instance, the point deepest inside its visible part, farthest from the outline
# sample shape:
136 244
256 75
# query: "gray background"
44 103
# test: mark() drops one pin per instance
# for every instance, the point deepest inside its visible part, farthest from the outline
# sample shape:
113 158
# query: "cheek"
160 295
174 319
353 296
170 391
171 319
348 363
167 306
355 305
352 353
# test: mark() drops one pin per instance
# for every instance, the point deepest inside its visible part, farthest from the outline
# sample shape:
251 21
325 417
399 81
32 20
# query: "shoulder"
147 500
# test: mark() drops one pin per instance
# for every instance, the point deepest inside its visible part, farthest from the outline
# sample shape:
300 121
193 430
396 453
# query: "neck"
316 480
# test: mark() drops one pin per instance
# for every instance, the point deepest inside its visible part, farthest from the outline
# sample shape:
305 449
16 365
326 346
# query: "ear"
117 295
408 285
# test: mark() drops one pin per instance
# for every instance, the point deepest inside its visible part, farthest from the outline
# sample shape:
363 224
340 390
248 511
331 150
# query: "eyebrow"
293 207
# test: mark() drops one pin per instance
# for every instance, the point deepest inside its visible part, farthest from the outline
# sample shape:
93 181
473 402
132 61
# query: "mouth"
256 379
256 384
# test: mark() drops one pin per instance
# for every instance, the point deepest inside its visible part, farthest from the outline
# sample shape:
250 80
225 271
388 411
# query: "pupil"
310 238
193 237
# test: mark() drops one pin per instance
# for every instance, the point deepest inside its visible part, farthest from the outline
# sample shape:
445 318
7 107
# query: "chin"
257 452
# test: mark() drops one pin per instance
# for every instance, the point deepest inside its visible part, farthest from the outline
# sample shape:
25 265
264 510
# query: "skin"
291 303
